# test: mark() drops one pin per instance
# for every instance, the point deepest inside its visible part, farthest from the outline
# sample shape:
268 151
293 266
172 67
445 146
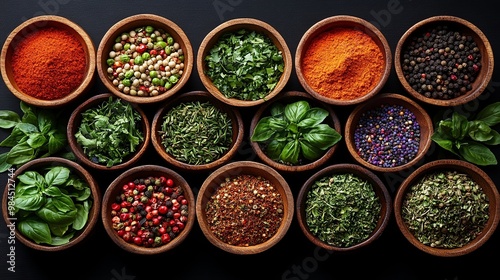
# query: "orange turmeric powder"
343 64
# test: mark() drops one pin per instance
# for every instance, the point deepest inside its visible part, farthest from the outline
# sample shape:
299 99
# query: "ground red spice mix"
245 210
48 63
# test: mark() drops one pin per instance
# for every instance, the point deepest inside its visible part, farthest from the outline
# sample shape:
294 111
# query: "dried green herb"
196 132
342 209
245 65
445 209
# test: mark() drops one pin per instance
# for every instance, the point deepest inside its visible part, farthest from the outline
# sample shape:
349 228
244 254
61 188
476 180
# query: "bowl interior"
231 26
476 174
287 98
363 173
131 23
75 121
422 117
39 165
213 181
33 25
465 28
343 22
144 171
202 96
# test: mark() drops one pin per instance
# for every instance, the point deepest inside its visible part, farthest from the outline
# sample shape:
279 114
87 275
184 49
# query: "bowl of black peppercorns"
444 61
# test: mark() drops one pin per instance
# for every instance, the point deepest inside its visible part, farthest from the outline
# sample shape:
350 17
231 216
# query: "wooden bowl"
421 116
131 23
477 175
287 98
232 26
201 96
464 27
349 22
361 172
115 188
39 165
75 121
227 172
36 24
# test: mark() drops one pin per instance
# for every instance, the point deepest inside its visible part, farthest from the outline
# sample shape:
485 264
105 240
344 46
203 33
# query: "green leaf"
490 114
20 154
36 140
296 111
46 120
291 152
4 166
52 191
460 126
274 149
29 202
57 176
31 178
477 153
58 230
442 140
61 240
262 130
495 140
480 131
51 212
8 119
322 136
278 110
15 137
310 152
313 117
82 216
27 128
36 230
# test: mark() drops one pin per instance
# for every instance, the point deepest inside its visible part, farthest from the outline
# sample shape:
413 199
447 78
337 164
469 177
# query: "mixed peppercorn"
145 62
150 211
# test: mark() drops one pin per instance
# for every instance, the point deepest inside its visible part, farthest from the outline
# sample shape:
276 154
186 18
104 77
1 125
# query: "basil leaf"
313 117
460 126
27 128
52 191
477 153
4 166
274 149
291 151
57 176
36 140
30 202
262 130
443 141
490 114
20 154
45 121
495 139
60 240
31 178
296 111
52 214
57 141
322 136
35 229
309 151
16 136
58 230
278 110
480 131
8 119
82 215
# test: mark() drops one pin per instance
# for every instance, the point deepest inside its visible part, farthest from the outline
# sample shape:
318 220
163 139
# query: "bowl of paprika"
343 60
457 67
144 58
48 61
148 209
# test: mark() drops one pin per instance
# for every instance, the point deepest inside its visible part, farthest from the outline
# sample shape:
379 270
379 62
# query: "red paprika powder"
48 63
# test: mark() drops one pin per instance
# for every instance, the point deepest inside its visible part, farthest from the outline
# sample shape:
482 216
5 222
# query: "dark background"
390 257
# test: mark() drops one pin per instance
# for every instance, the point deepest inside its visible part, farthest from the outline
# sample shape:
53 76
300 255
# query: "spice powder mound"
343 64
245 210
48 63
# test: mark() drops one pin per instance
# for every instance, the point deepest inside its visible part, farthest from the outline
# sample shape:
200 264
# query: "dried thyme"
342 209
445 209
196 132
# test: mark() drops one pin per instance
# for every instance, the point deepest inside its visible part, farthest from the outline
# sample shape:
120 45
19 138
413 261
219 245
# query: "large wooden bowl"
487 61
38 23
128 24
213 181
231 26
39 165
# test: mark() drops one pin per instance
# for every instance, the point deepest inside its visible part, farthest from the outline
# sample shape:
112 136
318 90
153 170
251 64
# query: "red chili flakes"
245 210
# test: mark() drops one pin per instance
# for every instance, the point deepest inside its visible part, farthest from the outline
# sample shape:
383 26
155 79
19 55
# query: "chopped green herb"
245 65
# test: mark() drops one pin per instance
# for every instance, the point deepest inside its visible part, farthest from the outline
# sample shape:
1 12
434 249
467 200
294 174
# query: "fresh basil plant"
294 132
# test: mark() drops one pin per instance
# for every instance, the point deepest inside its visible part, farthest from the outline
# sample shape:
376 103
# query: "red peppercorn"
165 238
115 206
163 209
170 182
137 240
141 48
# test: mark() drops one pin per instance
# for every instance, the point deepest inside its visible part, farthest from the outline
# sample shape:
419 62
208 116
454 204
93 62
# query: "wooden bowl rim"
135 21
82 173
418 111
47 21
78 151
351 22
206 96
463 25
463 166
363 172
235 168
143 171
234 24
296 168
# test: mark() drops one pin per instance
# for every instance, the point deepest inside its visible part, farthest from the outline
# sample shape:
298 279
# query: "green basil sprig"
38 133
469 139
50 208
294 132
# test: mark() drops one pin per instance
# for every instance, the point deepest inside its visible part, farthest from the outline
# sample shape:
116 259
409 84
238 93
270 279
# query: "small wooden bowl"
39 23
74 125
422 117
136 21
202 96
231 26
343 21
286 98
144 171
39 165
476 174
230 170
454 23
361 172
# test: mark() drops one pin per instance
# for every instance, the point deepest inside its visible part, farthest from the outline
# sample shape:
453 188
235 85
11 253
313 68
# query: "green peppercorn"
149 29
